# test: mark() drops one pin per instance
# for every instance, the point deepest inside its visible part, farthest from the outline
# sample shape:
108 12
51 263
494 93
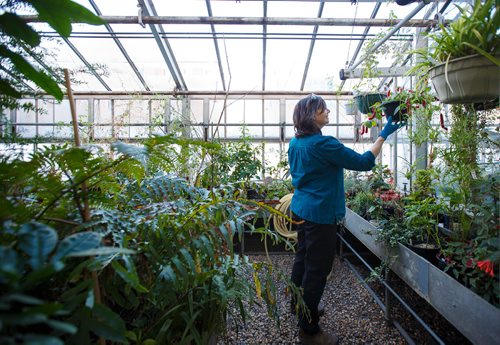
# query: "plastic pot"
364 102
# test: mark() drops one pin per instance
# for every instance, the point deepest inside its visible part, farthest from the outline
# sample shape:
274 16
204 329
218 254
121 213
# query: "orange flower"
486 266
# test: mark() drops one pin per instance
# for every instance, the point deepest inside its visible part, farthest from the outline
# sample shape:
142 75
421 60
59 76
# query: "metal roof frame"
216 46
148 16
89 66
311 46
148 8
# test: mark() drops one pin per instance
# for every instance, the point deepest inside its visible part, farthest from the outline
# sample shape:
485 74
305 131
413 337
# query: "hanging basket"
470 79
390 108
364 102
350 108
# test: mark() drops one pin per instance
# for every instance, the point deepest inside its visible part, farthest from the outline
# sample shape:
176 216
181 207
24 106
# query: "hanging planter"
396 109
364 102
469 79
350 108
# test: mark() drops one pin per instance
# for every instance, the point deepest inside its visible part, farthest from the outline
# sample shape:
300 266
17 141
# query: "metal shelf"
473 316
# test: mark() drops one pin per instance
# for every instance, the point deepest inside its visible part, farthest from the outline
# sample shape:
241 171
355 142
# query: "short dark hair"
303 115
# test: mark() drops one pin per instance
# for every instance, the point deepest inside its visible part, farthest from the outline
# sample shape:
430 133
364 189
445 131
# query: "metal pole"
387 297
260 20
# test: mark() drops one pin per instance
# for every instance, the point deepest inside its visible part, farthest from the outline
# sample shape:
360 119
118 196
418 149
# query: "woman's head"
310 115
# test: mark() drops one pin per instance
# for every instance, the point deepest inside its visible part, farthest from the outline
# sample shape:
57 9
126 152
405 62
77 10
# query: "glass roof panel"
198 63
292 9
236 8
181 8
241 46
285 62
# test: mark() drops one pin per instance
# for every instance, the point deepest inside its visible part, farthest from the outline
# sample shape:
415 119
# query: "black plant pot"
441 262
428 251
364 102
390 108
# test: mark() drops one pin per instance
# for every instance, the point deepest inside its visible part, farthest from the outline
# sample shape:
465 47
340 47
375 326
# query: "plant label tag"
474 176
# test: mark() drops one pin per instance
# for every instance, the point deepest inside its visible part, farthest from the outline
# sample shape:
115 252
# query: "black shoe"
321 309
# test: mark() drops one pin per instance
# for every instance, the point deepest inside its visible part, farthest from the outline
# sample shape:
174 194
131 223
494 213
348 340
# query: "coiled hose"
281 225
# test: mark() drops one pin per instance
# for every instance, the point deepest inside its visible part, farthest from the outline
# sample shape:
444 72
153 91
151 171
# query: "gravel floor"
350 312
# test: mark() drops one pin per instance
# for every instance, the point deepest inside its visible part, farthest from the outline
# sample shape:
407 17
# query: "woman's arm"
377 146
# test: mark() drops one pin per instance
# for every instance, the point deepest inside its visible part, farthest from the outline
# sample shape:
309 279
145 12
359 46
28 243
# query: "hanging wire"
352 34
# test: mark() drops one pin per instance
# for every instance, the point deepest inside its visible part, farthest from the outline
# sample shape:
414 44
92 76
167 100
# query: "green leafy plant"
160 248
475 31
233 162
19 42
473 263
422 208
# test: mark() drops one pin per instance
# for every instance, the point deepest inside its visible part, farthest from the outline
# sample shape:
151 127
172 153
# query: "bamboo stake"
86 208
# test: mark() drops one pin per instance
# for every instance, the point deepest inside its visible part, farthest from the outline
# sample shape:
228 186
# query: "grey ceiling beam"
264 47
216 45
89 66
259 21
121 47
393 71
165 49
230 93
365 1
311 46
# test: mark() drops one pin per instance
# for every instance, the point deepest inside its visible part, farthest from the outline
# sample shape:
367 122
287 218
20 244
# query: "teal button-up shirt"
317 166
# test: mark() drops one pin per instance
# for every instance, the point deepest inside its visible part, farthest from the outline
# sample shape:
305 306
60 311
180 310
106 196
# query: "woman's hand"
391 127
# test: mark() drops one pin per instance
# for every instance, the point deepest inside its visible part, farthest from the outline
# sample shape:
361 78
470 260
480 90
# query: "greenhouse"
250 172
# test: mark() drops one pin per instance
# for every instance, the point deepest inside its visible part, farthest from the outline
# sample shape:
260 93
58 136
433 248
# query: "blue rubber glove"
391 127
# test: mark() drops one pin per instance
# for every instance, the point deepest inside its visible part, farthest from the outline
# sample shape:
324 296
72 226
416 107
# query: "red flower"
469 263
486 266
389 93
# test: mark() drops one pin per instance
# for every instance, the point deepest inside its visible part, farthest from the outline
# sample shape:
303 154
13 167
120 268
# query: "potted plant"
421 215
463 61
403 104
365 101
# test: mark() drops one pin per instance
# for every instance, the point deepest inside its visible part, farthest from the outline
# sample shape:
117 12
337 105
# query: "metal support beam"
258 20
394 71
264 47
238 94
421 151
165 49
206 119
311 46
89 66
91 118
282 120
121 47
216 45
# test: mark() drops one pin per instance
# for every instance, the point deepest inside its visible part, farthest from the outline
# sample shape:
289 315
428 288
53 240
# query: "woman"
317 166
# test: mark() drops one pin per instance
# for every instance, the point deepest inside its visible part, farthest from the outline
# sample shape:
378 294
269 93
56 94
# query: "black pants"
313 262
